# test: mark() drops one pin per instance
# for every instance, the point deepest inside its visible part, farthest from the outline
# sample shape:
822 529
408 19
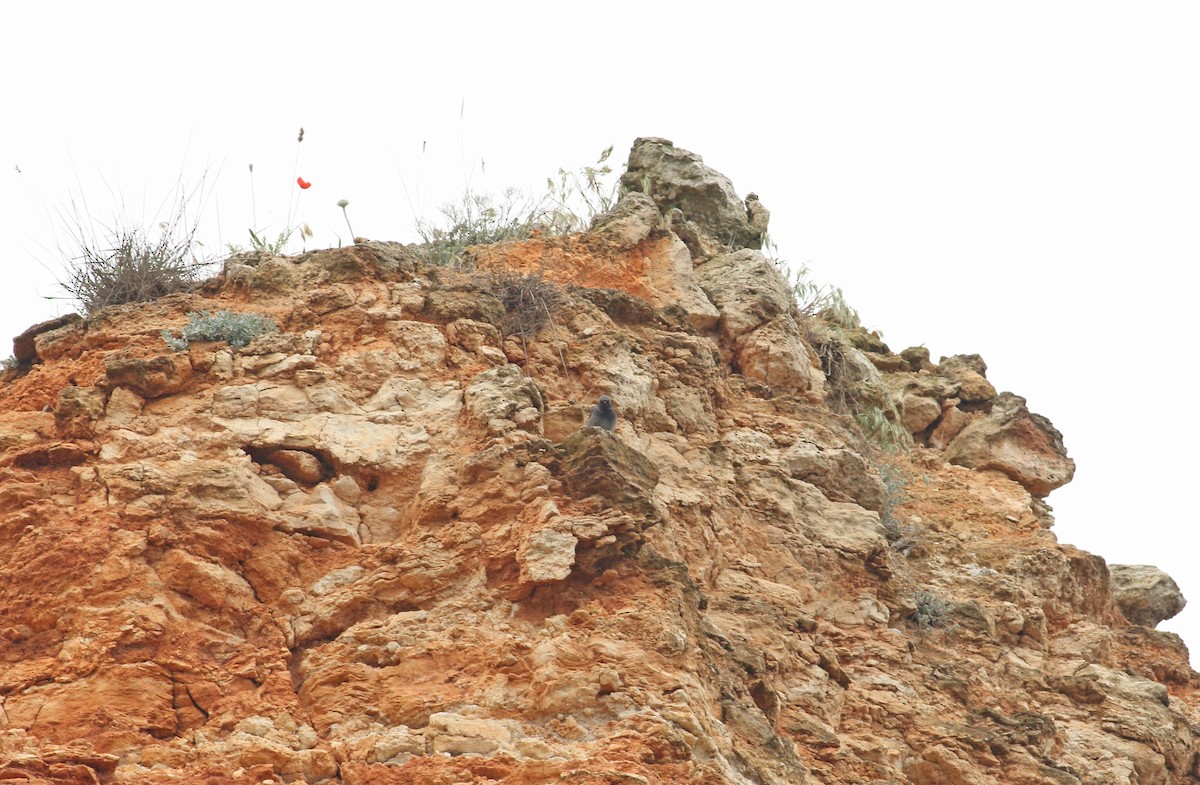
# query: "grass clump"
577 197
882 431
932 611
127 264
237 329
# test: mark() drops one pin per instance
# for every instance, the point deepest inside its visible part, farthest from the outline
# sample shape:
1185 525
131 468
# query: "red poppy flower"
300 181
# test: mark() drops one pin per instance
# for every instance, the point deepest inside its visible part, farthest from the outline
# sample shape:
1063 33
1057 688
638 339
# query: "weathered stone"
546 555
1145 594
503 399
596 463
919 412
972 362
676 178
24 345
842 475
917 358
629 222
953 421
447 305
756 310
297 465
1011 440
78 410
153 378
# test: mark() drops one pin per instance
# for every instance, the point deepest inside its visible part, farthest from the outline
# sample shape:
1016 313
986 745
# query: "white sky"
1020 180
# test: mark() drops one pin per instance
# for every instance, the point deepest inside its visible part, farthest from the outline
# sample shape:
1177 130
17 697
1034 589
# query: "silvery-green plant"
237 329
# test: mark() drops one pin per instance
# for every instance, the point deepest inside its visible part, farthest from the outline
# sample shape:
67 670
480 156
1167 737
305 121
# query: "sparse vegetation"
571 201
237 329
9 362
576 198
477 219
882 431
125 263
894 484
829 322
344 203
530 302
263 245
932 611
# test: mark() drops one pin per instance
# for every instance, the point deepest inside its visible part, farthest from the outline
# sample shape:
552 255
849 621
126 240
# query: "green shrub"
238 329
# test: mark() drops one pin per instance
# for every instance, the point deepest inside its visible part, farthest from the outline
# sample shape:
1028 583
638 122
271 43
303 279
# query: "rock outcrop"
678 180
1146 595
378 547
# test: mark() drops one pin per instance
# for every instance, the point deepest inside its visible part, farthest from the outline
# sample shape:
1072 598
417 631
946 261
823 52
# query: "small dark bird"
603 415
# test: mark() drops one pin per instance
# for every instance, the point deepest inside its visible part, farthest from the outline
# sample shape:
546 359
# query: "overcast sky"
1018 180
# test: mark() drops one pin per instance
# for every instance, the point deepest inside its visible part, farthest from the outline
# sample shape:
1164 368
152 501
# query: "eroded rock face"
676 178
380 547
1017 443
758 320
1145 594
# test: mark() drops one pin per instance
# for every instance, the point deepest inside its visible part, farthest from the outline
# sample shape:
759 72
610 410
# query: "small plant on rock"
932 611
578 197
127 264
529 300
237 329
477 219
881 431
894 484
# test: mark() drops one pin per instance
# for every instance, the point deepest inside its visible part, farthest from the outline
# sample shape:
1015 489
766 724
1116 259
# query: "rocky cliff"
378 546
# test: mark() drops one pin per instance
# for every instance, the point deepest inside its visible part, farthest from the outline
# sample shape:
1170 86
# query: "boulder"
629 222
676 178
1015 442
1145 594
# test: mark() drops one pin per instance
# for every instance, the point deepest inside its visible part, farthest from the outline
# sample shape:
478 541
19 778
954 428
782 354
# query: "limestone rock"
503 399
597 464
372 550
919 412
1145 594
757 318
676 178
24 345
1011 440
153 378
78 410
630 221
